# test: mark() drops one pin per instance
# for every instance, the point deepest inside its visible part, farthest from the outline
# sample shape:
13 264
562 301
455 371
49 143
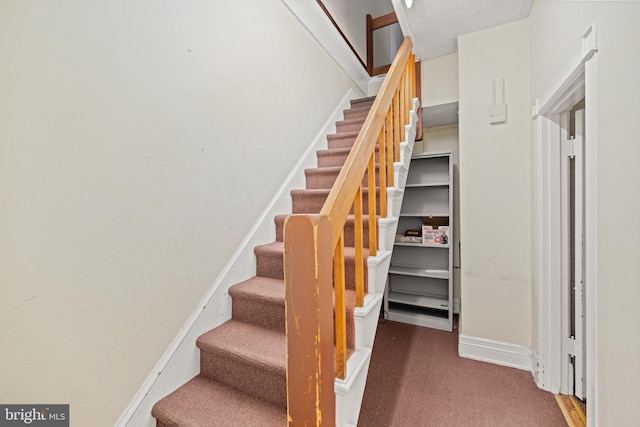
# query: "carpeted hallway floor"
416 379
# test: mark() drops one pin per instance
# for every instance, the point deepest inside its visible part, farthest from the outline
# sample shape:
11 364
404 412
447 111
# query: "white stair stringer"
394 202
400 171
349 392
386 233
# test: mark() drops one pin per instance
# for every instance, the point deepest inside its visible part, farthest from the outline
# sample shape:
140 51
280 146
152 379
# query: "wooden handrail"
342 34
314 251
384 21
340 198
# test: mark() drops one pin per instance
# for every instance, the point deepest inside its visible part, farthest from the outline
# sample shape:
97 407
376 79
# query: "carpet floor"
416 378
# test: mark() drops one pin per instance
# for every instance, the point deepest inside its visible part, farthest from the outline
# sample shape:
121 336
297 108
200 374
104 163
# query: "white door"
572 226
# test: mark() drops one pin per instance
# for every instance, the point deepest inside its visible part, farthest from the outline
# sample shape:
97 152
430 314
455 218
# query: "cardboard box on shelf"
435 236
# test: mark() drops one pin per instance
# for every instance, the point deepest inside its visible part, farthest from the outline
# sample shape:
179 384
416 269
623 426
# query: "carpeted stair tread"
344 134
330 169
324 178
269 289
335 157
365 107
366 100
268 295
259 301
260 345
270 258
349 124
348 229
342 139
311 201
356 113
359 108
247 357
202 402
279 221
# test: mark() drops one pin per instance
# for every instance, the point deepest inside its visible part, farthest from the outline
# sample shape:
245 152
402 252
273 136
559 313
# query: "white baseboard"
496 352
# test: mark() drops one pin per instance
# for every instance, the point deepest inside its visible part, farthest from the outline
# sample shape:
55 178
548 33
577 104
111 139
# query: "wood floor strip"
572 411
579 410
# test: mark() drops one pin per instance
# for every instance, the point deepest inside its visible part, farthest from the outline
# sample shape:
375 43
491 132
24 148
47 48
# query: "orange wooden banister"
314 263
340 199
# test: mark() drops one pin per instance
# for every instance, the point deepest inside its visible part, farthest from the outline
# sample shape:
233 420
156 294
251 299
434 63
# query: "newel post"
308 270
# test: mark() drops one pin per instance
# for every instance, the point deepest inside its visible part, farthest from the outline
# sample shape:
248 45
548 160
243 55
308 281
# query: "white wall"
351 18
495 184
139 142
556 29
439 80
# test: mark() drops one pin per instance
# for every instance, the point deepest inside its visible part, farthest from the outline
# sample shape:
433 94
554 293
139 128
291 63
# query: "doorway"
572 195
565 233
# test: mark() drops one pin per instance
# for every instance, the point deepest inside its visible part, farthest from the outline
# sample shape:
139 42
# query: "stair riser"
362 101
349 125
272 316
341 140
361 106
268 314
317 179
356 113
304 202
349 239
349 236
271 264
332 158
252 378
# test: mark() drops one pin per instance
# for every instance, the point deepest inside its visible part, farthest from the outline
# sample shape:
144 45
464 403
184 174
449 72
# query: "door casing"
580 83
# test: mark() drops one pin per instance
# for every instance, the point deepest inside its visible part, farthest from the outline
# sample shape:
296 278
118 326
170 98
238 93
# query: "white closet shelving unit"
420 285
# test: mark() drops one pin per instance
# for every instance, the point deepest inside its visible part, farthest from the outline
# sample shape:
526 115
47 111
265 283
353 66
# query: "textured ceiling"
434 25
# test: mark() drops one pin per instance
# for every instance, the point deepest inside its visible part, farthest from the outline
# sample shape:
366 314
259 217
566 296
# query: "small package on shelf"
413 236
435 236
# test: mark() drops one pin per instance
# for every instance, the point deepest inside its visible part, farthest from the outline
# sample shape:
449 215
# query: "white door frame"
579 83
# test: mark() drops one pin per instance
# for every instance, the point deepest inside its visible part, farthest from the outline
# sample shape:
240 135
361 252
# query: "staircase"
242 378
